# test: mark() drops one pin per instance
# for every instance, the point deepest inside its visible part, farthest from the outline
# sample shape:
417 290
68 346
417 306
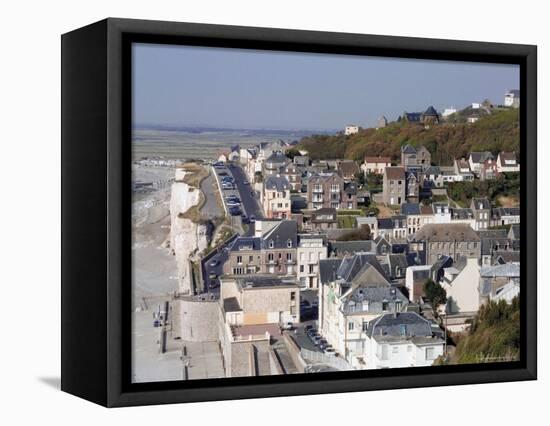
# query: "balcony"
318 190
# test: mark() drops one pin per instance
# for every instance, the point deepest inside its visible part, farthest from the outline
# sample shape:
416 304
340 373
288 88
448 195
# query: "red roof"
378 160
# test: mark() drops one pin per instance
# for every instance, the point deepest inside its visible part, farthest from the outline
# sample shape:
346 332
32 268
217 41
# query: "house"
381 122
274 164
413 187
311 250
394 186
511 99
259 299
348 169
323 219
442 212
430 116
461 166
400 340
351 129
329 190
447 112
507 162
496 245
505 216
454 240
500 282
414 218
461 282
234 153
394 227
294 176
513 233
482 212
273 252
463 216
411 156
477 160
301 160
375 165
276 197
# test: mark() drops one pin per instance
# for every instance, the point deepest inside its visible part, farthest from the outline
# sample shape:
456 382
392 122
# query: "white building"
507 162
311 249
511 99
351 130
448 111
462 286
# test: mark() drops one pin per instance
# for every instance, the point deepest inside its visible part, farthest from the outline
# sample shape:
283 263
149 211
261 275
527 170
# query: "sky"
186 86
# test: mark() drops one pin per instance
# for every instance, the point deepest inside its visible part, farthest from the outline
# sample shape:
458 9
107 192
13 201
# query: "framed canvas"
256 212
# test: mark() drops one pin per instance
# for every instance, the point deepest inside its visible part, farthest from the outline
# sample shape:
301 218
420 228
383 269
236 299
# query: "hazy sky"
235 88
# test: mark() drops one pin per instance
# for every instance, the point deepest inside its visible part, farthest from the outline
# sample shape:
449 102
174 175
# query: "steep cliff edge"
188 231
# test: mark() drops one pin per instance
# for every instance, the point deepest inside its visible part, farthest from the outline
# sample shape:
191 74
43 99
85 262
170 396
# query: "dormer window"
271 244
289 243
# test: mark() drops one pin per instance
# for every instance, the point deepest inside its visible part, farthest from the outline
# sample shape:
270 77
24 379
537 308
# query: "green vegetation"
258 177
494 335
506 185
346 221
435 293
350 212
447 141
292 152
374 182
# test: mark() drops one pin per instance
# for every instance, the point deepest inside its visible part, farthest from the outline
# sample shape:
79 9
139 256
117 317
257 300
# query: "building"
461 282
323 219
375 165
501 216
454 240
413 187
442 212
477 160
481 207
275 163
348 169
311 250
394 186
500 282
274 252
430 116
382 122
351 130
259 299
511 99
371 222
448 112
276 197
329 190
294 176
415 278
393 228
463 216
414 218
401 340
507 162
413 157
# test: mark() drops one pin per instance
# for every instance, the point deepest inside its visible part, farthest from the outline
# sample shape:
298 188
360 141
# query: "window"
301 268
289 256
271 244
350 326
270 257
403 330
293 296
384 306
398 306
250 258
289 243
239 259
365 326
311 269
430 353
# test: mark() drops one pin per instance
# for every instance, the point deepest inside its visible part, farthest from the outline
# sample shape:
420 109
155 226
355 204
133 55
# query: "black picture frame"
96 195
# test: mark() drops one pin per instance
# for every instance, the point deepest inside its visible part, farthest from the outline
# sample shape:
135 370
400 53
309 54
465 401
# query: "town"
288 264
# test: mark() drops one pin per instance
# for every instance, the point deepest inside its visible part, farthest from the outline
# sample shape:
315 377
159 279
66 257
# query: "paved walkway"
203 360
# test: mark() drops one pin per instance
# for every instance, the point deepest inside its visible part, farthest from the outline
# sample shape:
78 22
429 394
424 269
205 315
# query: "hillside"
496 132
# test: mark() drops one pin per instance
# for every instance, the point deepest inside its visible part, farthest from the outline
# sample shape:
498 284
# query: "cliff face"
187 237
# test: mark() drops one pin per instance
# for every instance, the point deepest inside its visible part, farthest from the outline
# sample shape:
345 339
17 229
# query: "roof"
481 204
375 296
431 111
514 92
510 156
246 243
444 232
266 280
279 183
231 304
341 247
506 211
348 167
462 214
412 116
410 209
510 270
433 170
350 188
514 229
408 149
277 157
480 157
281 235
426 209
394 222
404 324
386 160
324 214
395 172
328 269
351 266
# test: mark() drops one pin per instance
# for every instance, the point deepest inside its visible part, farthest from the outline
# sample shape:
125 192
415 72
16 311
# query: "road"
210 209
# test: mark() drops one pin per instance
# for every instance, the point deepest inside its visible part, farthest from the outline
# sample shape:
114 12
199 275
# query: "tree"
359 234
292 152
435 293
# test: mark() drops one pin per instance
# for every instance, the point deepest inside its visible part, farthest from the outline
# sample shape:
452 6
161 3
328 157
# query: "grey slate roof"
267 280
246 243
462 214
341 247
277 158
351 266
446 233
281 234
409 149
410 209
403 324
430 111
510 270
375 296
481 204
278 183
328 269
480 157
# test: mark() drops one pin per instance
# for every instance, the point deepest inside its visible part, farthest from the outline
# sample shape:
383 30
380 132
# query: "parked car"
214 262
252 218
323 344
287 326
246 182
308 327
213 275
316 340
235 211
